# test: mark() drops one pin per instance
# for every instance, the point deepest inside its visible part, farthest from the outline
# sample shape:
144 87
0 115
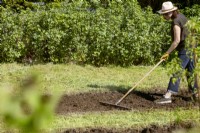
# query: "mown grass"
74 79
126 119
70 78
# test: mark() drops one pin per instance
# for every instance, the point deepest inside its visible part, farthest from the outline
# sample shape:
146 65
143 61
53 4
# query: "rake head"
115 105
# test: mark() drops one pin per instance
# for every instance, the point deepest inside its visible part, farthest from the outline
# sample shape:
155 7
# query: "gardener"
178 34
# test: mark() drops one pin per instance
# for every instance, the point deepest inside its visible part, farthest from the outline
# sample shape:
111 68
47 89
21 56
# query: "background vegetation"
154 4
85 32
157 4
122 34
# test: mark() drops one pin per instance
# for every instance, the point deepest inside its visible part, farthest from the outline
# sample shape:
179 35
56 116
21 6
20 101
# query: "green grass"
126 119
72 78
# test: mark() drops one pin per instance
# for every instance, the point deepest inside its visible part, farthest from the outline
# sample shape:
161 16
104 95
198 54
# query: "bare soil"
136 100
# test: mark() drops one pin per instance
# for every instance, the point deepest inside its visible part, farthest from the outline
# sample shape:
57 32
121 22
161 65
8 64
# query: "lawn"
71 79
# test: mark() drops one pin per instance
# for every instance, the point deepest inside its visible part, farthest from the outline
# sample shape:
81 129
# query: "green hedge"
157 4
121 34
194 11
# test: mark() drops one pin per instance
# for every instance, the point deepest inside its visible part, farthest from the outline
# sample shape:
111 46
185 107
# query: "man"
178 34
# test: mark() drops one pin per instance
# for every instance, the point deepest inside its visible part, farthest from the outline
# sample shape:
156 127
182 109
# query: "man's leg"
174 82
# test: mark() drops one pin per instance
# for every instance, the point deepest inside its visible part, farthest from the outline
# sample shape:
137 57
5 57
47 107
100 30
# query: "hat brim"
163 12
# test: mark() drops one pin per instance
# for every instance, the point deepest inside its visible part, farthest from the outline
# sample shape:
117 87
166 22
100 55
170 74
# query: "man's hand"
165 56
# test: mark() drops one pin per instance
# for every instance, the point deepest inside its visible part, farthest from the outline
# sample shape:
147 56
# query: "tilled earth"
136 100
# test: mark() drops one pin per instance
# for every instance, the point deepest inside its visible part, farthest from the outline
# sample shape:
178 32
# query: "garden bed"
136 100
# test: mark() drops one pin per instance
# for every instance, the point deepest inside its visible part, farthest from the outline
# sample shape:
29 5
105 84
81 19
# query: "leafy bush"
194 41
192 12
120 34
157 4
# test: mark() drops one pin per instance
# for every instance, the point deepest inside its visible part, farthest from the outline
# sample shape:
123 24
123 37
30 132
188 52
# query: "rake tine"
115 105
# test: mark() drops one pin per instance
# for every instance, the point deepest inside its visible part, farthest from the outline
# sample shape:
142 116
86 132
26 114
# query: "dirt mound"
137 100
151 129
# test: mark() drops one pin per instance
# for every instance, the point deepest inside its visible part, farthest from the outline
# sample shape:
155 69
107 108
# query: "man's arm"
176 41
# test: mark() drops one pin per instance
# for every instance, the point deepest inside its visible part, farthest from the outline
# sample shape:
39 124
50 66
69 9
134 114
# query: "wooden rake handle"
139 82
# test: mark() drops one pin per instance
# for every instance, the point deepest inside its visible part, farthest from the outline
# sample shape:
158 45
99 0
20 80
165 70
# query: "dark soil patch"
151 129
137 100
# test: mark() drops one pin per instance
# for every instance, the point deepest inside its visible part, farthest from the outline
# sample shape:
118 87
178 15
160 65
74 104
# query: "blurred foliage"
24 109
193 42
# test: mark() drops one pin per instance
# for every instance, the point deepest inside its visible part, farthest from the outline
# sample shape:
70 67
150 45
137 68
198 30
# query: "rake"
124 107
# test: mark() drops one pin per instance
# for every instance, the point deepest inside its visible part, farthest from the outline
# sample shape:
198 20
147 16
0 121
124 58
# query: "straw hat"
167 7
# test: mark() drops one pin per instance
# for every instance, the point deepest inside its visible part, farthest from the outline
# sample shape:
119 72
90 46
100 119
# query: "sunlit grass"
126 119
74 79
70 78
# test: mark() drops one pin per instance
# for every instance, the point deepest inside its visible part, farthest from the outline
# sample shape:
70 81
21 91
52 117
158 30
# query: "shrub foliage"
121 33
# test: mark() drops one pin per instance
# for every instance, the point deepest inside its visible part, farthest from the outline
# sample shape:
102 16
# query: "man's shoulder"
180 18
